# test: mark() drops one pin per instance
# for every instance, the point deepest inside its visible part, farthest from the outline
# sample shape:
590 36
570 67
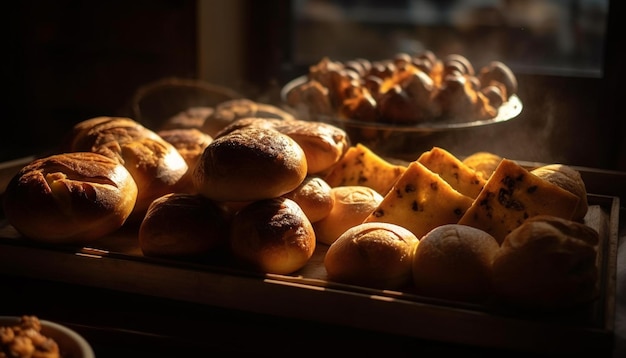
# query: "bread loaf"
70 198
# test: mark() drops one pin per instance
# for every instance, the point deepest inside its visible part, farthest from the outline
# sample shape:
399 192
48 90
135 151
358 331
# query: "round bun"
180 225
374 254
190 143
569 179
70 198
250 164
547 263
352 204
314 197
156 165
323 143
454 262
272 236
484 163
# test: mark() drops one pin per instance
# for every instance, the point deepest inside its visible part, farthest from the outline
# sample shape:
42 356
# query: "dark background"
69 60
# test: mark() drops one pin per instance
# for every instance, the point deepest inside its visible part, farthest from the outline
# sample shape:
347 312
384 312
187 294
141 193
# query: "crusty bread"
190 143
376 254
454 262
314 197
179 225
155 164
250 164
272 236
323 144
351 205
547 263
70 198
230 111
569 179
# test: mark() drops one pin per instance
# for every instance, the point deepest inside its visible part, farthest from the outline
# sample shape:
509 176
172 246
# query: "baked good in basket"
250 164
272 236
374 254
569 179
70 198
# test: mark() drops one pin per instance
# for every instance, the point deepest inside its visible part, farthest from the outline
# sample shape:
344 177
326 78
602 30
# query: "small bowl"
399 140
71 344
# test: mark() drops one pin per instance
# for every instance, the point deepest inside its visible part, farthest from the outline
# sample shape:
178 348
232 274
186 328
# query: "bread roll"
373 254
70 198
352 204
314 197
180 225
190 143
272 236
155 165
569 179
484 163
250 164
454 262
323 143
547 263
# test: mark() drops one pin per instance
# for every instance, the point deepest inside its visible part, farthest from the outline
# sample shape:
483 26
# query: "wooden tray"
115 262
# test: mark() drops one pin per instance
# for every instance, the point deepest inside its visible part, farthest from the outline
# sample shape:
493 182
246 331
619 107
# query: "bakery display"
372 254
183 226
70 198
272 236
351 205
455 262
155 164
547 263
250 164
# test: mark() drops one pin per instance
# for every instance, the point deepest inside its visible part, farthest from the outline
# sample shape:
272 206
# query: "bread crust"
250 164
272 236
372 254
70 198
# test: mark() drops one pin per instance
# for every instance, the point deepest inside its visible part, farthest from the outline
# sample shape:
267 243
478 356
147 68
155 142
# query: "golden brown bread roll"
70 198
484 163
272 236
180 225
374 254
323 144
454 262
547 263
190 143
156 165
314 197
569 179
352 204
250 164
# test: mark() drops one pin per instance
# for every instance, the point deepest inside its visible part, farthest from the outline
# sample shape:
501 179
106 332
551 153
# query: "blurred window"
552 37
